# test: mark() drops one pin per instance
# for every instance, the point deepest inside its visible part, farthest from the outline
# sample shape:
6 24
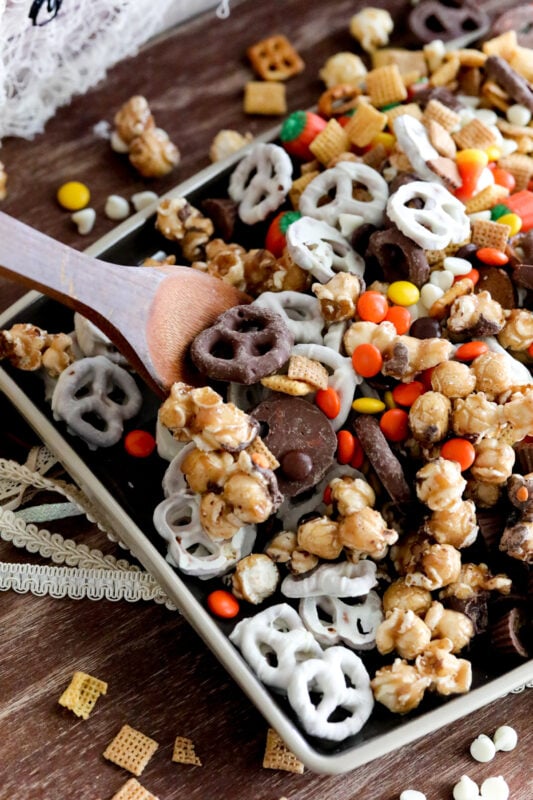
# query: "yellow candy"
471 157
403 293
514 222
73 195
368 405
493 153
388 140
389 399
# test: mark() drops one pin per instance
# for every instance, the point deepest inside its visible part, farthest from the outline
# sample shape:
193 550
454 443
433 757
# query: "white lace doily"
66 46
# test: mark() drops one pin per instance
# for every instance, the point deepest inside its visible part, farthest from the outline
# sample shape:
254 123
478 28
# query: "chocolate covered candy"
383 460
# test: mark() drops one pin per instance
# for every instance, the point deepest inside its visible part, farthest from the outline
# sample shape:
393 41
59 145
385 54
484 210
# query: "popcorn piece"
351 495
482 749
447 673
184 752
407 598
206 469
249 496
224 261
517 333
494 461
153 154
407 356
399 686
265 97
338 297
23 345
320 536
383 336
179 221
455 525
116 207
256 578
404 632
343 68
131 750
429 417
81 694
133 119
365 533
281 548
475 578
446 624
278 756
217 518
476 314
493 372
227 142
439 484
371 27
58 355
427 565
453 379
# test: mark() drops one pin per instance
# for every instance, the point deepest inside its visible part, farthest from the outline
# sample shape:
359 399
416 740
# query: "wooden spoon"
151 314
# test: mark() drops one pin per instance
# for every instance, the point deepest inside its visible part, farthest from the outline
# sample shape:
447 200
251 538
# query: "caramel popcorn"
439 484
447 624
302 561
455 525
133 118
365 533
343 68
351 495
518 413
3 182
282 546
217 518
404 632
153 154
407 356
227 142
320 536
263 272
453 379
493 374
517 541
255 578
381 336
476 314
484 495
447 673
408 598
58 354
338 297
475 578
429 417
179 221
425 564
517 333
249 497
23 345
371 28
206 470
476 416
224 261
494 461
399 686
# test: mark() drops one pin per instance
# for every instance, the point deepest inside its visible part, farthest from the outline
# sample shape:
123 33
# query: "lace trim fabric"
68 50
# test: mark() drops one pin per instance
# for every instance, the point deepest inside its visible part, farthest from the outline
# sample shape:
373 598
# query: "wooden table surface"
162 678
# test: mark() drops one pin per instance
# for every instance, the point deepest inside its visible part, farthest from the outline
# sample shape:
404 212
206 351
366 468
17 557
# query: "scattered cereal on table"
81 694
131 750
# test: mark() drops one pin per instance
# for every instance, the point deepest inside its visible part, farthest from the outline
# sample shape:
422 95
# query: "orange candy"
530 350
328 401
425 377
470 350
405 394
400 318
521 203
139 444
394 424
504 178
345 446
372 307
223 604
326 497
491 256
367 360
473 276
460 450
358 455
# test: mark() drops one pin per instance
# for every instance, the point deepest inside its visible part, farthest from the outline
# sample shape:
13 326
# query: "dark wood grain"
162 678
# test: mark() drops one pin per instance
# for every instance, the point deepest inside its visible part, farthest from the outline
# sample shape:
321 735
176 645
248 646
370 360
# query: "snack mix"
359 477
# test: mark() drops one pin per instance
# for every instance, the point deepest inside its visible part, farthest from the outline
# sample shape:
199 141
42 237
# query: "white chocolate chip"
482 749
348 223
483 215
118 144
457 266
505 738
494 789
442 278
142 200
518 114
486 115
84 220
116 207
466 789
508 146
412 794
429 294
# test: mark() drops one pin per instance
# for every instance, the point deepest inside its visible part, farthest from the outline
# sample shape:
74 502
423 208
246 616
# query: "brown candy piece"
523 275
440 93
499 284
491 524
524 456
398 256
223 214
245 344
475 608
385 464
425 328
302 439
501 72
508 634
432 19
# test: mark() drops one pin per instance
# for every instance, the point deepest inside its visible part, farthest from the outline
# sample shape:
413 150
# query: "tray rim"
195 614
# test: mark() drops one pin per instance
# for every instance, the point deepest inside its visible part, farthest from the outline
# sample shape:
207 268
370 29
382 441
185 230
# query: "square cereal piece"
131 750
260 454
275 59
133 790
446 73
435 110
469 57
278 756
475 134
521 168
330 142
486 233
440 139
184 752
298 185
406 60
365 124
522 62
286 385
265 97
436 258
82 693
504 45
385 86
412 109
306 369
486 198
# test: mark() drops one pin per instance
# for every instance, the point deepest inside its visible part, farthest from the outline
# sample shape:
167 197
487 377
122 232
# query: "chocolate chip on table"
300 436
383 460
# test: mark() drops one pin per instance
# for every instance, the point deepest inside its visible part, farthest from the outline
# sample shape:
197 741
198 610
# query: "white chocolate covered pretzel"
338 183
341 579
301 313
261 182
177 520
440 222
94 397
93 342
332 621
320 249
413 139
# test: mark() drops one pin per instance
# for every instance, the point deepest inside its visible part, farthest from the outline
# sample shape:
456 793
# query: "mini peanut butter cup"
509 633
